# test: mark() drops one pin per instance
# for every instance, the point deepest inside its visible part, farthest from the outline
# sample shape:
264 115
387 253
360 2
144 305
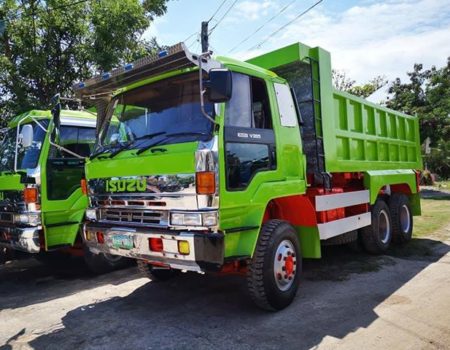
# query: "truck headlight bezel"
195 219
91 214
29 219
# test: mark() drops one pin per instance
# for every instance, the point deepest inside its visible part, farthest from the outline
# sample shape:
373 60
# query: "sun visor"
173 58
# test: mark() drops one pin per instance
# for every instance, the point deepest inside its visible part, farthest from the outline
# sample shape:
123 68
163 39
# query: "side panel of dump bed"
370 137
342 132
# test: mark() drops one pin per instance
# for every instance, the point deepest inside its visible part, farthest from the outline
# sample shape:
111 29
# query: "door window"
249 138
64 171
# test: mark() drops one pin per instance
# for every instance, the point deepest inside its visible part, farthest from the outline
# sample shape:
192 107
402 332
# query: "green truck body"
288 165
51 220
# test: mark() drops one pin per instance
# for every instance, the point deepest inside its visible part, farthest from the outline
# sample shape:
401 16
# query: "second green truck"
213 164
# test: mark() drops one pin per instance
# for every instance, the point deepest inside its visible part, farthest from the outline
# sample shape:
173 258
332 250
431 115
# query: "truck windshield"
153 111
27 158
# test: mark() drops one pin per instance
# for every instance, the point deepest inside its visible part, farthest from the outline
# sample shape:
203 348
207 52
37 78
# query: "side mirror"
219 86
56 114
26 136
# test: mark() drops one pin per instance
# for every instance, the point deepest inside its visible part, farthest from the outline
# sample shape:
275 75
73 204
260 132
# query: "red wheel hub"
289 265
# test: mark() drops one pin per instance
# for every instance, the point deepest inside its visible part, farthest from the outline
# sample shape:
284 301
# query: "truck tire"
377 237
4 255
402 220
274 272
154 273
102 263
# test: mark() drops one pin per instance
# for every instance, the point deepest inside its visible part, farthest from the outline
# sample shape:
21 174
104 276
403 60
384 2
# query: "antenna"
204 36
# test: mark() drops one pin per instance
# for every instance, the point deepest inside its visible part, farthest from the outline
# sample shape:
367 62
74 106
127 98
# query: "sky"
366 38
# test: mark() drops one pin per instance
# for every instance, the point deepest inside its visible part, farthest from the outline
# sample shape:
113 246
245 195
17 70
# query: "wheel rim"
285 265
405 219
384 228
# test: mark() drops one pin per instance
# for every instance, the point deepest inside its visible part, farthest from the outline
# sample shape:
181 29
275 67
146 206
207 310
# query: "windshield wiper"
128 145
96 154
169 136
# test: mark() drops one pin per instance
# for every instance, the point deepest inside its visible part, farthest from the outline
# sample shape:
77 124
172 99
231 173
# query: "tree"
48 45
343 83
427 94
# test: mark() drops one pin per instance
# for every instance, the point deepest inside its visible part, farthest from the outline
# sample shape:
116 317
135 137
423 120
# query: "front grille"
136 217
111 202
6 218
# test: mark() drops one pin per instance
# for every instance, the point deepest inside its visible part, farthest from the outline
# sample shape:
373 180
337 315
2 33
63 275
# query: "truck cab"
41 201
213 164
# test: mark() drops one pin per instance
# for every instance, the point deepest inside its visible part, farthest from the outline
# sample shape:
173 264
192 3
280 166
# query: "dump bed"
342 132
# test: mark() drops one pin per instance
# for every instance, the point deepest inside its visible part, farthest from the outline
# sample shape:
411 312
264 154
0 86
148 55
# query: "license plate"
122 241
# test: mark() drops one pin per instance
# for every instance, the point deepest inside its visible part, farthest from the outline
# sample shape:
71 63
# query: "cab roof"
65 114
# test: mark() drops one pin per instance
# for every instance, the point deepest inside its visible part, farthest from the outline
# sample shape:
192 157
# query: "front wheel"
103 263
274 271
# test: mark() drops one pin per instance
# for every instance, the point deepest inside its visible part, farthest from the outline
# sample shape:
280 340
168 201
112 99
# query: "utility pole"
205 37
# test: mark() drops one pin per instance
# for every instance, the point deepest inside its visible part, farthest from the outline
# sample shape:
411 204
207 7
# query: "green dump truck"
244 167
41 201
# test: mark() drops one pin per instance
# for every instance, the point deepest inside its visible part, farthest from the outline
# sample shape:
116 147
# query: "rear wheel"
156 273
103 263
402 220
377 237
274 271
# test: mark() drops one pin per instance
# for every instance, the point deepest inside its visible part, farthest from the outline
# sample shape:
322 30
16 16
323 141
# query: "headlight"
32 219
193 219
91 214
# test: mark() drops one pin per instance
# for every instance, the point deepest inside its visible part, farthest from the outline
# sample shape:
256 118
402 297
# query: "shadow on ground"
27 281
203 312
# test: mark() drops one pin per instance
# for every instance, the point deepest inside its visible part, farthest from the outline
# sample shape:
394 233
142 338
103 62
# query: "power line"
218 9
284 26
221 19
209 20
262 26
190 36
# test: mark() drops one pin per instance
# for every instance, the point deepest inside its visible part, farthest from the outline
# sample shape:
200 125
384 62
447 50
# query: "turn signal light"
206 182
155 244
100 237
183 247
30 195
84 188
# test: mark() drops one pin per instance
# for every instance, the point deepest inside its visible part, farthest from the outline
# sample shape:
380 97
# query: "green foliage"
439 159
48 45
343 83
427 94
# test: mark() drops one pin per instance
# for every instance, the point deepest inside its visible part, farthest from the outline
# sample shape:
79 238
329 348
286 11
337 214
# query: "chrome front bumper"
23 239
206 250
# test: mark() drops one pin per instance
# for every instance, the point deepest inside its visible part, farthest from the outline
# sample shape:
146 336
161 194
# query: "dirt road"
346 301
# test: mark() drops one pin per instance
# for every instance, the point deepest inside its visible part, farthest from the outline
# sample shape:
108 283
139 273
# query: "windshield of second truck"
27 158
157 112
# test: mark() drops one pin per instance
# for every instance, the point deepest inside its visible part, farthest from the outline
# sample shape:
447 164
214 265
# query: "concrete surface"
346 301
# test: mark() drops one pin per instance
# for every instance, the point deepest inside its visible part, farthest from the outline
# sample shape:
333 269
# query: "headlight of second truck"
30 219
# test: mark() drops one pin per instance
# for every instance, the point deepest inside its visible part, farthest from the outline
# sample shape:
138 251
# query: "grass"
435 215
445 185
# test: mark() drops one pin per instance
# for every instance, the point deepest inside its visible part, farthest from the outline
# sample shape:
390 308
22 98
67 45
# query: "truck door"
64 204
250 157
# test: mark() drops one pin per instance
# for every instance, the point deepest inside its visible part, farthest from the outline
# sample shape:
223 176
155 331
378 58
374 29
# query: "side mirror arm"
202 90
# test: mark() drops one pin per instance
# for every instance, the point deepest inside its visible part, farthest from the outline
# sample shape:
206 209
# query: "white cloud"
253 10
375 38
